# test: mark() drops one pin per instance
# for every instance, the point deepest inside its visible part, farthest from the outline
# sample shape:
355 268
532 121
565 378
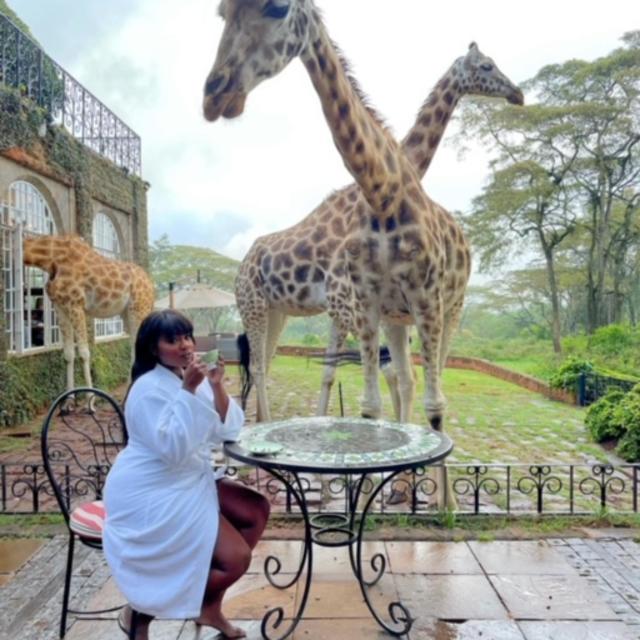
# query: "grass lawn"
488 419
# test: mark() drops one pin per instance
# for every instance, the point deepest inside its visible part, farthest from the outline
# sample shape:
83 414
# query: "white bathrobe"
160 497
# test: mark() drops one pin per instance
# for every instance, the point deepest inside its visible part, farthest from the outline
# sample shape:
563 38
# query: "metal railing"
479 489
27 68
592 386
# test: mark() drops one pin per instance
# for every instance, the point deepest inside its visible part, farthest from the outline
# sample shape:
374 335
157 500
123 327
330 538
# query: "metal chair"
81 436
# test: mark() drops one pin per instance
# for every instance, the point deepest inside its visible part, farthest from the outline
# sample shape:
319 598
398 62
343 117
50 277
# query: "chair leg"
67 586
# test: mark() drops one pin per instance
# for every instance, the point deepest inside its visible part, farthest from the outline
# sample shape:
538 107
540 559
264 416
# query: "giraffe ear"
473 46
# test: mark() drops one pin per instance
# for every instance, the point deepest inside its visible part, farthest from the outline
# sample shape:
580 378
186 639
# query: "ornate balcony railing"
26 67
489 489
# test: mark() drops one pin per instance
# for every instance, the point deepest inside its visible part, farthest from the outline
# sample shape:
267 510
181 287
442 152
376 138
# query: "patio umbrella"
196 296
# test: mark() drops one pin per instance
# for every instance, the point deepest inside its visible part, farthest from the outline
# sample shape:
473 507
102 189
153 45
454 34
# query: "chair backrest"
81 436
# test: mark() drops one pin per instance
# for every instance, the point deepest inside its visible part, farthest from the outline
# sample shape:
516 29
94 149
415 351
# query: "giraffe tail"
245 372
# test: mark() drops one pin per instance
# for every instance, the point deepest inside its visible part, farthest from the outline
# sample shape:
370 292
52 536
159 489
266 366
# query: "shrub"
611 340
600 418
566 377
628 414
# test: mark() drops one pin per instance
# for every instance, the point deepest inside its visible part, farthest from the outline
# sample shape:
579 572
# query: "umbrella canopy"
197 296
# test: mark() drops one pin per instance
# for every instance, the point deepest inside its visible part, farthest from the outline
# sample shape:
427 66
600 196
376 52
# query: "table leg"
400 617
274 618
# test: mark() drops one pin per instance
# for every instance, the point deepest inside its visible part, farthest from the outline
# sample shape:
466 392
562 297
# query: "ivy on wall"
30 383
27 136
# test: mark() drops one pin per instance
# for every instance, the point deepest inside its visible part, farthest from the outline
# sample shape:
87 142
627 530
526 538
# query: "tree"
566 173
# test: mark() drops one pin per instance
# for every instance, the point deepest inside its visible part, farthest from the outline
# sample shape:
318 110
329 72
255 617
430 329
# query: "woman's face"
176 353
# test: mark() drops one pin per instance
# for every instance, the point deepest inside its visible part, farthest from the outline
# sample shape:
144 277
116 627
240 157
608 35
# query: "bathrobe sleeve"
173 428
229 429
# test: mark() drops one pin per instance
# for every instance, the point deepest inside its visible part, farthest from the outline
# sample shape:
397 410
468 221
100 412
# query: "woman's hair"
167 324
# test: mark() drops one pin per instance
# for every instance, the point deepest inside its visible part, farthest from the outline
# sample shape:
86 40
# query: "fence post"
582 389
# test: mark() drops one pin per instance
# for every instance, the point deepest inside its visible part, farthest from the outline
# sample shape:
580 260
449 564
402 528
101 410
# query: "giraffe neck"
369 152
421 143
40 252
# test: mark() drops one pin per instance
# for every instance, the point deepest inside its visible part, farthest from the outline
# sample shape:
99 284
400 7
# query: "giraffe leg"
256 330
369 350
68 345
79 322
451 322
276 321
430 329
398 339
336 341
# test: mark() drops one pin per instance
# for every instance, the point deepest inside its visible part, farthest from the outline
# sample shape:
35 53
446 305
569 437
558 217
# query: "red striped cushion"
87 520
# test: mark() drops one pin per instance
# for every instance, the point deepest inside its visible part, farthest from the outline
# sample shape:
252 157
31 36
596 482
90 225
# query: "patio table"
351 447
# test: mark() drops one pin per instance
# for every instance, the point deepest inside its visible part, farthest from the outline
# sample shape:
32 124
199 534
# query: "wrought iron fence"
489 489
26 67
592 386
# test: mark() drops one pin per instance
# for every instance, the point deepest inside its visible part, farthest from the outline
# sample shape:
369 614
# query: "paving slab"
14 553
341 596
519 557
432 557
448 597
468 630
346 629
577 631
557 597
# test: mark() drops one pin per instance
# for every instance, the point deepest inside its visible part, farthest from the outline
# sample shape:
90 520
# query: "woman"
177 535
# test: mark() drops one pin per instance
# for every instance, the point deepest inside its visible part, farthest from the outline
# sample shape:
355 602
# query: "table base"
332 530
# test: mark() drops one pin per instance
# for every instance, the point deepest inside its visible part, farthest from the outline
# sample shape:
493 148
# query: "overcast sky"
221 185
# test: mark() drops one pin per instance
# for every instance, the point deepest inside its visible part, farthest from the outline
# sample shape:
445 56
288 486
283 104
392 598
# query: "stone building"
67 165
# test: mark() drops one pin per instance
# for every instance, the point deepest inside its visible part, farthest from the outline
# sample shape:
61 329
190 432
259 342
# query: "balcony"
26 67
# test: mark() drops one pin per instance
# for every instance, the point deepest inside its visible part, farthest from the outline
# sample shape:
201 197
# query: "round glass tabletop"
339 445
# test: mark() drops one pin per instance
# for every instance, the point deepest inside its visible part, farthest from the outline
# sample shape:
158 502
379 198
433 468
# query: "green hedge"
30 383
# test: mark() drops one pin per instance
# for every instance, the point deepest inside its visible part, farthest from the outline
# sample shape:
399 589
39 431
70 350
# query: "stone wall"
474 364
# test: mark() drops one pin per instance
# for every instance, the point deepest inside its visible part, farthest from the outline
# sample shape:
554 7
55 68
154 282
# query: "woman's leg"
125 619
231 559
246 509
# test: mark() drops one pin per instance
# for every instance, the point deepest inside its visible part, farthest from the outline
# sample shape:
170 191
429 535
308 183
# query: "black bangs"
169 324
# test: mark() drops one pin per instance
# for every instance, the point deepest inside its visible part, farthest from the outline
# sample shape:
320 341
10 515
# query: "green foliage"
30 383
612 339
601 418
110 363
627 413
180 264
13 16
566 377
311 340
20 120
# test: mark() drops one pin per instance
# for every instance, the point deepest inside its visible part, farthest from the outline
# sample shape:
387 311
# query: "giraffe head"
259 40
39 251
478 74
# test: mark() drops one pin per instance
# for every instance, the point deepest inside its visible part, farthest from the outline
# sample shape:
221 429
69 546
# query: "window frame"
26 212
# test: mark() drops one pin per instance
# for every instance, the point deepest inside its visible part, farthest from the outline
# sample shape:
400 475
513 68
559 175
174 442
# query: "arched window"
30 321
107 243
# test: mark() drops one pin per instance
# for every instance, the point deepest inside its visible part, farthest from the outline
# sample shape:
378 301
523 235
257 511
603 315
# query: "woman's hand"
216 375
220 395
194 374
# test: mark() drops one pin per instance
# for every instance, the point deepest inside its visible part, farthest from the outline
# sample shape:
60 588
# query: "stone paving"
557 589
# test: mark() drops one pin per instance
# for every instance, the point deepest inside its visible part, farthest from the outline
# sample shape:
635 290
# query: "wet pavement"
556 589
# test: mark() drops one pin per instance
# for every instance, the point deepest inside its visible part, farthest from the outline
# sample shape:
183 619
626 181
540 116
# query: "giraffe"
264 308
84 283
403 260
